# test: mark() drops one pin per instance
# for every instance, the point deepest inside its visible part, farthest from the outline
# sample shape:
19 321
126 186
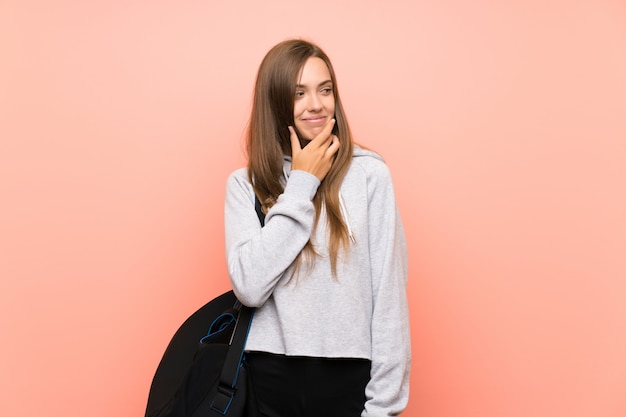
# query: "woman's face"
314 104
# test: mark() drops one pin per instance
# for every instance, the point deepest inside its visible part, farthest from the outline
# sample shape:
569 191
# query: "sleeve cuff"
301 185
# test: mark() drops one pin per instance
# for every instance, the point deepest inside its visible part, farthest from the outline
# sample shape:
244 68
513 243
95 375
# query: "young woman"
328 271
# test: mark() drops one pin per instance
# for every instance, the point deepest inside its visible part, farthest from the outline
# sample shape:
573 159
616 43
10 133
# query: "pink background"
504 127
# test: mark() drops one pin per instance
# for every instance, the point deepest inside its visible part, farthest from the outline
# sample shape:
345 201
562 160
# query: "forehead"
314 72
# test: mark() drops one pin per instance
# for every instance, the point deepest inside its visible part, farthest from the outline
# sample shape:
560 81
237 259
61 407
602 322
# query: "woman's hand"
318 155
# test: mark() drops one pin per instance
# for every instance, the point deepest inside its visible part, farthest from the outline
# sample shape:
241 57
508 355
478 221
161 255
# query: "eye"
327 90
299 93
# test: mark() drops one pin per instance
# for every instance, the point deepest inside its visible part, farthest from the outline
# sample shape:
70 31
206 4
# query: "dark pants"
287 386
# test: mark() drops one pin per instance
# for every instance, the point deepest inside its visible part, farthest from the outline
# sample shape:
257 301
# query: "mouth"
316 120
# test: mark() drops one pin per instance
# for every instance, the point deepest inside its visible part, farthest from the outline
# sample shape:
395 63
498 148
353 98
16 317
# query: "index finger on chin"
325 135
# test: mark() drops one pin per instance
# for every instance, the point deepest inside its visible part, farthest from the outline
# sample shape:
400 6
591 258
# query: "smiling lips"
314 120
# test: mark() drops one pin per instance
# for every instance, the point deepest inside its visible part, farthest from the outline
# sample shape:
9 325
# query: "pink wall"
504 126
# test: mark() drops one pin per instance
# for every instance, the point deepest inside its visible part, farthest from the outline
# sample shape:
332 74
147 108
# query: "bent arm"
259 257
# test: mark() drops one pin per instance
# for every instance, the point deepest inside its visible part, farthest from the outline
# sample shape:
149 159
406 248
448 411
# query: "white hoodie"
363 312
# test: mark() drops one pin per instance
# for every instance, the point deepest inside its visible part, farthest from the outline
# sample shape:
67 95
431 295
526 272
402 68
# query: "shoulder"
239 174
238 179
370 174
371 164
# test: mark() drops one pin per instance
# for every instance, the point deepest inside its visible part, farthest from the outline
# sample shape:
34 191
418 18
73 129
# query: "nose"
314 103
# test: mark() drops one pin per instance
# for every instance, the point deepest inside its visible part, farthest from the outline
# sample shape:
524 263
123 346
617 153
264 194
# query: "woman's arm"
258 257
388 389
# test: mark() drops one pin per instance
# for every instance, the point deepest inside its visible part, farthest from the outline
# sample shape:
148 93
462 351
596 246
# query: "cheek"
301 127
330 105
298 109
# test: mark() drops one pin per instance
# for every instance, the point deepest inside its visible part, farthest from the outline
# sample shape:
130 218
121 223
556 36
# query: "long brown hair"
268 140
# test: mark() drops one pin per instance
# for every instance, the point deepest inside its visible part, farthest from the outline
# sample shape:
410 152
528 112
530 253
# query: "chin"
309 134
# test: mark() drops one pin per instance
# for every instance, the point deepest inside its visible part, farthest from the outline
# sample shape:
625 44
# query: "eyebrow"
320 84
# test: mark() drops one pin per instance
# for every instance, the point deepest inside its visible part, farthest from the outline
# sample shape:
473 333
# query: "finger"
325 134
334 146
295 142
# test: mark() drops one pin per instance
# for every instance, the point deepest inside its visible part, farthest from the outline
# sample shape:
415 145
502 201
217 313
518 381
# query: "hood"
360 152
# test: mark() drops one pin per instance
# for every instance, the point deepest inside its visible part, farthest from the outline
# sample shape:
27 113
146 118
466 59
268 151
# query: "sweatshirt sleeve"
388 390
258 257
